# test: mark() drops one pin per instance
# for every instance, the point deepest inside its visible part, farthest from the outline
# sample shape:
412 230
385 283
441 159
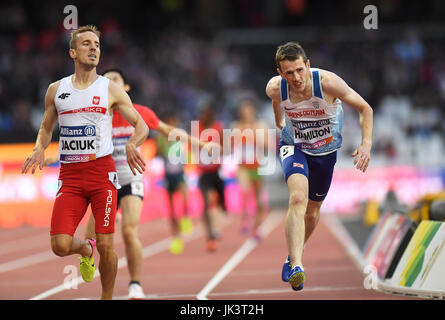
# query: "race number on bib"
137 188
77 143
286 151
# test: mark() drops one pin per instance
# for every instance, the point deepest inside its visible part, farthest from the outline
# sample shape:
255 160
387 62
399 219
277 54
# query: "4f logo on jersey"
96 100
64 95
316 104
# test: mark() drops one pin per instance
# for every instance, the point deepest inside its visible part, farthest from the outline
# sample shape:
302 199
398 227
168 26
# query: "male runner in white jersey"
84 103
307 107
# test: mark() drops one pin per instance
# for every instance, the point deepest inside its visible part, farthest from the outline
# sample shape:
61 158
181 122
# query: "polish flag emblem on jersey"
96 100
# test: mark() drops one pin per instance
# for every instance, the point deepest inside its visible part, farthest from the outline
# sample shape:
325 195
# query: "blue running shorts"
317 169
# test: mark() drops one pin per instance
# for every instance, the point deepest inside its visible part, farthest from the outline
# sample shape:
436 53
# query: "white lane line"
35 258
41 256
27 261
339 231
148 251
24 243
189 296
121 263
284 290
272 221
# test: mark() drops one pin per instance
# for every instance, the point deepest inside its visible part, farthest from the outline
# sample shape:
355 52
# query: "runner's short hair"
289 51
75 34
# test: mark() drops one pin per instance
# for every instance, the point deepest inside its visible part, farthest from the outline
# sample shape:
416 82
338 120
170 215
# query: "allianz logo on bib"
77 131
303 125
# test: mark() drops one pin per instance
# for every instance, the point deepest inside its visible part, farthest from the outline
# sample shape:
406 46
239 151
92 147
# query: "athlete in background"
175 181
252 135
209 179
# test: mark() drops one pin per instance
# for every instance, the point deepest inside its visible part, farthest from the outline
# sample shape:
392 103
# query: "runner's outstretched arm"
120 101
337 87
167 130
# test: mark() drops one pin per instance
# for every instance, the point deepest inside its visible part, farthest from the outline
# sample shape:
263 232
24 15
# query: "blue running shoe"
300 287
285 272
295 276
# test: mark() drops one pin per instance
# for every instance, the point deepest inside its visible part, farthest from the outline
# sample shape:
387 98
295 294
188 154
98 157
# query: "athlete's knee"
297 198
104 247
61 248
129 232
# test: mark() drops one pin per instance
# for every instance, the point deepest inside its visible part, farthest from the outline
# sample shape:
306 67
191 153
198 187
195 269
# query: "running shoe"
295 276
176 246
286 270
212 245
186 226
87 268
135 291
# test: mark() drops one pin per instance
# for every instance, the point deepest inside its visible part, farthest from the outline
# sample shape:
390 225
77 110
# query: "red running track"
241 269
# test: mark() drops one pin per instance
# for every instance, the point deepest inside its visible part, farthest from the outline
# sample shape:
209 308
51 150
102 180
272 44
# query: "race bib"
119 151
77 143
286 151
137 188
312 134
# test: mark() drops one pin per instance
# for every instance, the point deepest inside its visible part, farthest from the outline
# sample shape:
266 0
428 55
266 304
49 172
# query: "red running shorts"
79 185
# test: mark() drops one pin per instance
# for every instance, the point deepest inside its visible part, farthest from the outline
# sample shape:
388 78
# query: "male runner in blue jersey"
307 104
